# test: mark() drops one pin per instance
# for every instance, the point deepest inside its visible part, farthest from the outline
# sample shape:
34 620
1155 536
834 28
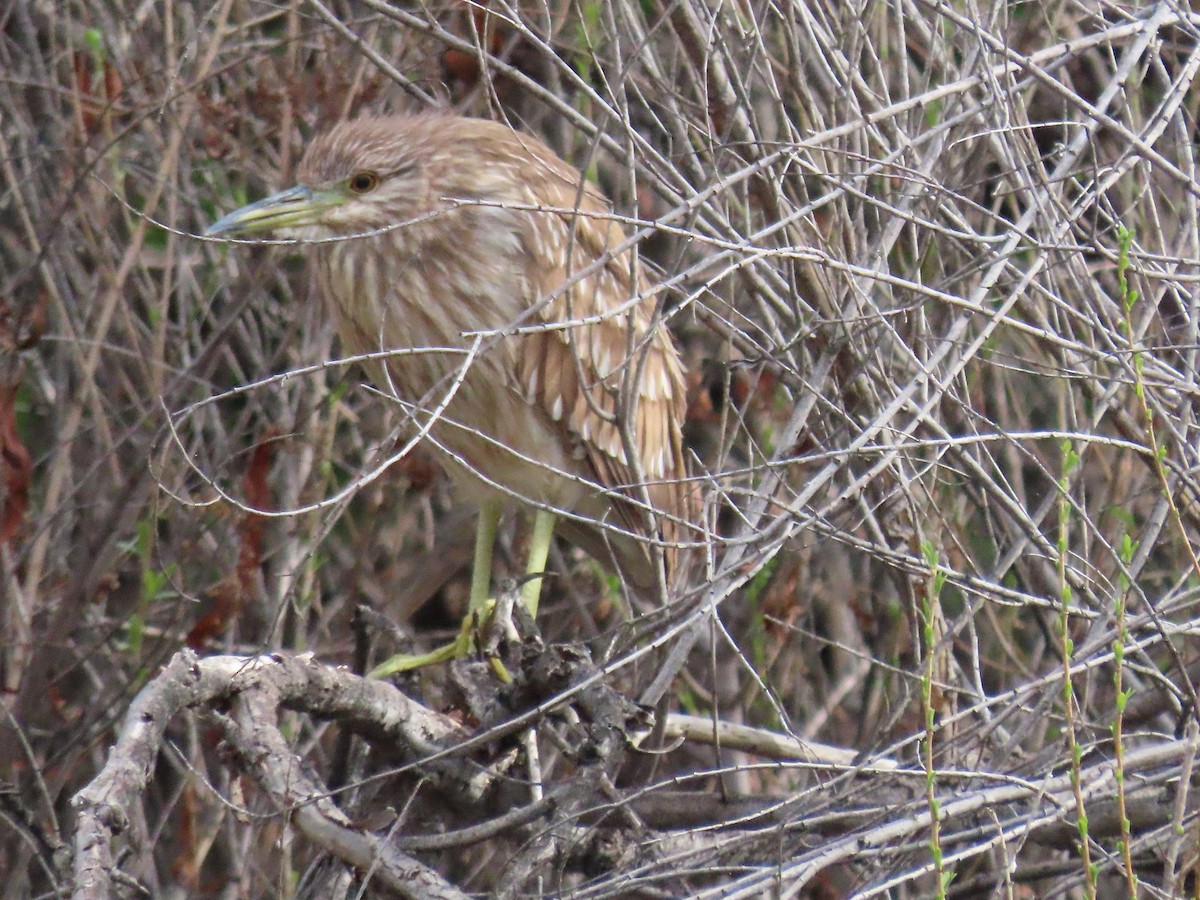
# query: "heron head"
360 176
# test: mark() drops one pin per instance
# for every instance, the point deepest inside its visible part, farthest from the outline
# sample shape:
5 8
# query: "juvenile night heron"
523 328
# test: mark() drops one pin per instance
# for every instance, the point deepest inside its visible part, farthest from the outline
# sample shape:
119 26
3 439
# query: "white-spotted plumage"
474 227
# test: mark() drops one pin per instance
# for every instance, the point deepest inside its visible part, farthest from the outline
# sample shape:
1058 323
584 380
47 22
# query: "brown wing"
611 366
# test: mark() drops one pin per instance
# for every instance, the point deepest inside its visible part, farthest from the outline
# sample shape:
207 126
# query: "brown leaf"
112 82
18 468
258 496
218 605
221 603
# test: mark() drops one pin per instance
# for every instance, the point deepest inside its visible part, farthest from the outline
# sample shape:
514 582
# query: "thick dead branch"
256 689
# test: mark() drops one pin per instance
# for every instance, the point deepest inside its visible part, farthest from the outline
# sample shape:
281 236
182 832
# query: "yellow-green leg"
539 551
481 567
478 610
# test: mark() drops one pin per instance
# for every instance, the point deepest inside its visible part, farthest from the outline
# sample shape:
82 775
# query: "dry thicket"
933 268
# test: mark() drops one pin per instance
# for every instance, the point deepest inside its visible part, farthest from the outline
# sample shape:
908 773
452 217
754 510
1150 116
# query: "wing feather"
585 374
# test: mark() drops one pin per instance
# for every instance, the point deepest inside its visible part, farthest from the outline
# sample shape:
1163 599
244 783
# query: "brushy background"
934 270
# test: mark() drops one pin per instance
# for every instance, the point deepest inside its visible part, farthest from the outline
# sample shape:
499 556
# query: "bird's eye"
363 182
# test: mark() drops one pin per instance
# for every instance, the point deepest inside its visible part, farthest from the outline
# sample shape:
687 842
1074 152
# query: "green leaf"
93 38
135 628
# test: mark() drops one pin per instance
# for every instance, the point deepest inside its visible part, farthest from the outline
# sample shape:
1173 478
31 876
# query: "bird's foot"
481 634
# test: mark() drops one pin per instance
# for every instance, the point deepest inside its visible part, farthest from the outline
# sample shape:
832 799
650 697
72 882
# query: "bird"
503 307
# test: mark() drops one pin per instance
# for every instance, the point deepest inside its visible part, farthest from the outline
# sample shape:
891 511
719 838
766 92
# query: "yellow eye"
363 182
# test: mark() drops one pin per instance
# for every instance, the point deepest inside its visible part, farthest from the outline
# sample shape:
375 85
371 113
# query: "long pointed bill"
295 207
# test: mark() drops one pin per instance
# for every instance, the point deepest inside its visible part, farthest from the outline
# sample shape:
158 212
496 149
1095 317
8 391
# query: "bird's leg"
539 551
485 610
478 611
481 605
485 541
